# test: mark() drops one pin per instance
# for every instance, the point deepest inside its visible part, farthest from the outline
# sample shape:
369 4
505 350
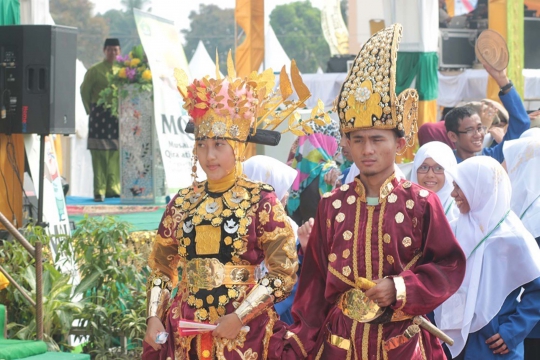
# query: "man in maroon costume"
381 251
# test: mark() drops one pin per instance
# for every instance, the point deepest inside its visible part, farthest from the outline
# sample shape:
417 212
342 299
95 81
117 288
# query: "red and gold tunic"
202 236
405 237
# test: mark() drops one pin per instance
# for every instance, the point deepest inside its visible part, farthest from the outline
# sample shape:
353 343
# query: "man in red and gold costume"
381 254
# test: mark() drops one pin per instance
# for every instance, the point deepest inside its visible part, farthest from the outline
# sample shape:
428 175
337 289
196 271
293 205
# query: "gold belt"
211 273
356 305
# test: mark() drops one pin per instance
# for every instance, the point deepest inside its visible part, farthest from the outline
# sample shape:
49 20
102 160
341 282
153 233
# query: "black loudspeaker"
37 79
338 63
532 45
456 48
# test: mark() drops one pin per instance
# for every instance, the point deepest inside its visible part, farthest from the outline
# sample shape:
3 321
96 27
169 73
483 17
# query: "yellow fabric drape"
13 196
506 17
451 7
427 112
249 15
4 282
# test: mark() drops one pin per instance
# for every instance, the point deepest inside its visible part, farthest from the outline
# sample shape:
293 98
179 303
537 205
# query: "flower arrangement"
130 69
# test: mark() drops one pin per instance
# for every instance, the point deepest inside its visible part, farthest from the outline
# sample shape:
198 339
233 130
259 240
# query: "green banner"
421 66
10 12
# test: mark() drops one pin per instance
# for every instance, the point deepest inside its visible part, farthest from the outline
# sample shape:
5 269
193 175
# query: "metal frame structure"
37 254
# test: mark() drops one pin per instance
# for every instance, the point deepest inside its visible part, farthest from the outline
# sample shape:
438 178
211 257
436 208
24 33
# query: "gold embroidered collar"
385 190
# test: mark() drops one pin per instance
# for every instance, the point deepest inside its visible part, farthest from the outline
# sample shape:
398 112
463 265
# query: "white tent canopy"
274 55
201 63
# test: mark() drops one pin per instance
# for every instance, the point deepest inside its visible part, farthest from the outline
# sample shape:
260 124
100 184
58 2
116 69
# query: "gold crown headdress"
234 108
368 97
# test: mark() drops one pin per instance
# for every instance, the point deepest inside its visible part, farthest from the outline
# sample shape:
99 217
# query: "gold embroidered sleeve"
278 242
163 262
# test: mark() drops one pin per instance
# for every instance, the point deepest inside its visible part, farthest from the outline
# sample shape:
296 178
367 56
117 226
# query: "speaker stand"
41 181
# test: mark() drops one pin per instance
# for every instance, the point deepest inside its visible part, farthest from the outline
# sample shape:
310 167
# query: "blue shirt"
518 123
513 322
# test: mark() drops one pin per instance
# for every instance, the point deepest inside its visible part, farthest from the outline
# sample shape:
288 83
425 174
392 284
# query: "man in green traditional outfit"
103 127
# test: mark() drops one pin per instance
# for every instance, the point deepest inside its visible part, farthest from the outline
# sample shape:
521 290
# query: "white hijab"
270 171
492 270
443 155
532 132
354 172
523 163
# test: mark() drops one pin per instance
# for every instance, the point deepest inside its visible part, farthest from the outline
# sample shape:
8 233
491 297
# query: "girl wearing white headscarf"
281 177
523 164
484 315
443 157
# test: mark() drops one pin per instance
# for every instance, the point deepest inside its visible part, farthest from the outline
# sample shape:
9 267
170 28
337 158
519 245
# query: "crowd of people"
338 254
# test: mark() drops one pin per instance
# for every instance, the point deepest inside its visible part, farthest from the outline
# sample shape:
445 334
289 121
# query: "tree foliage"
215 27
298 28
92 31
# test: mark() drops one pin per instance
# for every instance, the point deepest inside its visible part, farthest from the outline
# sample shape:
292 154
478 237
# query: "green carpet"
139 221
20 349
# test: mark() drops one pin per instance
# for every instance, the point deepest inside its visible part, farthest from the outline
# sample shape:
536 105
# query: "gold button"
346 253
206 353
424 193
390 259
332 257
351 199
392 198
346 271
347 235
399 217
344 187
409 204
340 217
386 238
406 184
336 204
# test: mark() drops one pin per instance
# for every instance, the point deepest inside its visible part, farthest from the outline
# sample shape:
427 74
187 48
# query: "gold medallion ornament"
392 198
423 193
351 200
407 184
332 257
336 204
409 204
344 187
414 221
390 259
386 238
399 217
407 241
368 99
340 217
346 271
347 235
346 253
327 194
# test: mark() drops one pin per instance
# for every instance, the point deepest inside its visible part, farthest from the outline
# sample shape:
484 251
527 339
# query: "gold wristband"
259 299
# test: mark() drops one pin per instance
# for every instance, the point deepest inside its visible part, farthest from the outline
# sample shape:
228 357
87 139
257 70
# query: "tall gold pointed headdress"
234 108
368 97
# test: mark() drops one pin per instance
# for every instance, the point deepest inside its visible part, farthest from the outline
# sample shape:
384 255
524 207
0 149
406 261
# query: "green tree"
298 28
122 26
215 27
92 31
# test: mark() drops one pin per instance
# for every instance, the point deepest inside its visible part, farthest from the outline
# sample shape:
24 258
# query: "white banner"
162 45
54 205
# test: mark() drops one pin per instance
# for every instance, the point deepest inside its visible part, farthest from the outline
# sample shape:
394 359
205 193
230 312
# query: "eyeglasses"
472 132
424 169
